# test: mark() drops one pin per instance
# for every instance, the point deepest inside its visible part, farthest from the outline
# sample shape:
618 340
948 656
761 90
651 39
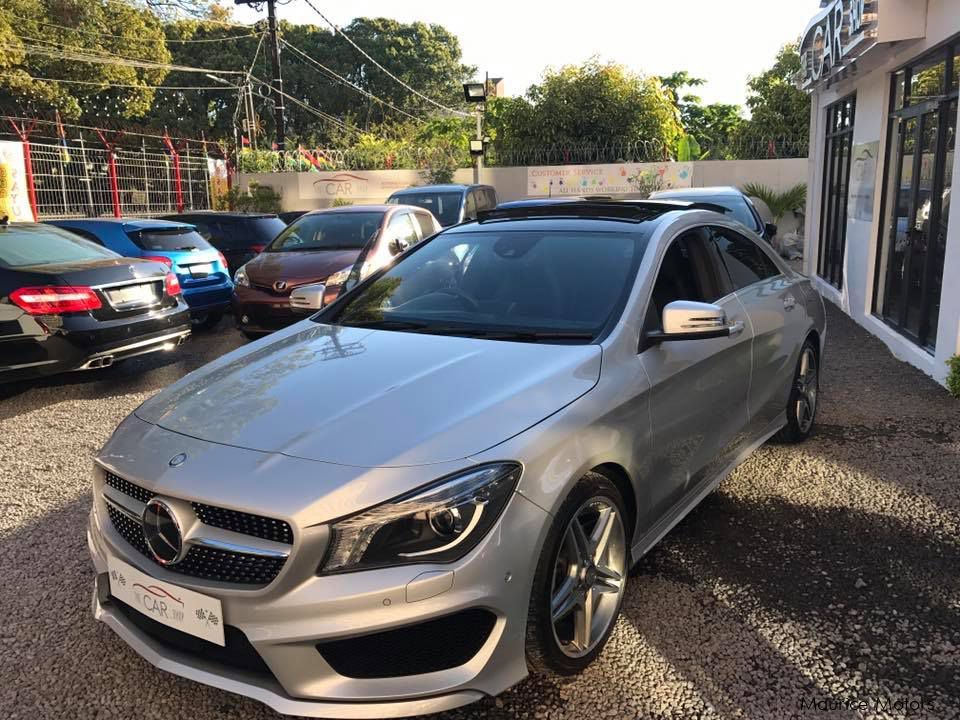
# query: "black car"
239 236
69 304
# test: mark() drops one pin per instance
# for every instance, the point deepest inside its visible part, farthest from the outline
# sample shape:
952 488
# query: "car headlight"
439 523
240 277
340 276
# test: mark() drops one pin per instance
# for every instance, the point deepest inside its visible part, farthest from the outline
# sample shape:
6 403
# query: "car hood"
298 268
374 398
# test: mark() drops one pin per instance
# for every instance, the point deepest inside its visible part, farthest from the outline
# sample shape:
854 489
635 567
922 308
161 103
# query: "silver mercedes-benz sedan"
439 483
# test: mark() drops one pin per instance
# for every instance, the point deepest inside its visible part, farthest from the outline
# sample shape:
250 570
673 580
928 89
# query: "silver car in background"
439 483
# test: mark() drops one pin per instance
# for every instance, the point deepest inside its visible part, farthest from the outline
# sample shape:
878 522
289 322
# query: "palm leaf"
780 203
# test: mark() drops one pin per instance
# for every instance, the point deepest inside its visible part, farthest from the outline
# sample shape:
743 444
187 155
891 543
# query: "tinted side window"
470 208
86 235
426 224
491 198
688 272
745 261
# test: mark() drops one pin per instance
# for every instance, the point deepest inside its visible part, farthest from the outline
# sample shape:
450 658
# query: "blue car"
200 267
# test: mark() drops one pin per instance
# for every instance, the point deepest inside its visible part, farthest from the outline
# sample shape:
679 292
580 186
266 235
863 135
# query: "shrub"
953 376
341 202
779 203
257 198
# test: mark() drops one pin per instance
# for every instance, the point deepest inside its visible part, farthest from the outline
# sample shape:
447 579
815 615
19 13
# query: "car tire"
206 321
804 396
555 640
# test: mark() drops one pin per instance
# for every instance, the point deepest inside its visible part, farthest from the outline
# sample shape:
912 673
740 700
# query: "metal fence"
74 180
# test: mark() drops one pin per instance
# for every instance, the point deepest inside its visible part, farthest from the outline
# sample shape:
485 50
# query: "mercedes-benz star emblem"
178 460
161 530
280 286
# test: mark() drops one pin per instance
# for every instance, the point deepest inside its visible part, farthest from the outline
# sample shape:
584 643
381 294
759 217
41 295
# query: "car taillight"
160 259
54 300
223 261
257 248
172 285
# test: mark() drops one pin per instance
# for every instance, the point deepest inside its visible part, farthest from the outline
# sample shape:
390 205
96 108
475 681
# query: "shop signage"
831 38
612 179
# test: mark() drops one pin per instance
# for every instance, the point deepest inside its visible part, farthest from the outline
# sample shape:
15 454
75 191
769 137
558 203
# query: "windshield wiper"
386 324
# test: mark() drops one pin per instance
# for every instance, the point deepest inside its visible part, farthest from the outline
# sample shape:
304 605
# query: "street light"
476 93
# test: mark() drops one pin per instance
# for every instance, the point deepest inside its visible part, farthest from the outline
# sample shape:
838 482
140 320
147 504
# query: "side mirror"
397 246
769 231
308 297
688 320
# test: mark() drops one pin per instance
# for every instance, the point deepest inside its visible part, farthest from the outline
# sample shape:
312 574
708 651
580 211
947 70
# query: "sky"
722 41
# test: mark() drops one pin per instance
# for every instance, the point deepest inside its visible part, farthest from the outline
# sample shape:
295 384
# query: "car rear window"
177 238
445 206
27 245
261 230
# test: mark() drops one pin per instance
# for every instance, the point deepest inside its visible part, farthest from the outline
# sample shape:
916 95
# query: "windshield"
328 231
445 206
177 238
26 245
526 285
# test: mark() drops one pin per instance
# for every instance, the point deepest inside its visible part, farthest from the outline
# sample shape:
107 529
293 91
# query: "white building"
884 78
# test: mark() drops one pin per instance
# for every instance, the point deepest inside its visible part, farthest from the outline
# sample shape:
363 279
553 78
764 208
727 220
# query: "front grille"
245 523
128 488
236 653
439 644
241 522
209 563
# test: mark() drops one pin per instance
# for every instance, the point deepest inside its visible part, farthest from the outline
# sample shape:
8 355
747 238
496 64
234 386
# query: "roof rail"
635 211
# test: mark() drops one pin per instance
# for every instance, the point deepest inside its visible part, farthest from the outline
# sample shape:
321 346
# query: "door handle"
789 302
735 328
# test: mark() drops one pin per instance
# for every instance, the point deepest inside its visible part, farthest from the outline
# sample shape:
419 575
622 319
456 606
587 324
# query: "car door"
771 300
699 388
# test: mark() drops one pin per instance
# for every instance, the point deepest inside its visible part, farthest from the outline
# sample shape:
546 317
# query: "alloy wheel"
589 577
808 386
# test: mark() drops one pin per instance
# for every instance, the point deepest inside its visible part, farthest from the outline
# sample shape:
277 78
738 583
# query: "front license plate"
133 294
201 270
174 606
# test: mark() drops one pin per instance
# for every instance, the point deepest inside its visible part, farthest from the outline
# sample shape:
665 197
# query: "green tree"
588 103
779 109
35 34
708 128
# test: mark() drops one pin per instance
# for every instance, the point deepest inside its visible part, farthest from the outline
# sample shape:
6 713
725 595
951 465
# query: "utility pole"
276 84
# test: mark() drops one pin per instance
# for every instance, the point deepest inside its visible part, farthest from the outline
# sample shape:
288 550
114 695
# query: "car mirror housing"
689 320
308 297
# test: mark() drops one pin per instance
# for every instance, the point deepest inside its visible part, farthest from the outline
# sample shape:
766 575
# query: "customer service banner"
610 179
14 201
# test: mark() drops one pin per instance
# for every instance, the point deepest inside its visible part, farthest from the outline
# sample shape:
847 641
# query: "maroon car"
322 246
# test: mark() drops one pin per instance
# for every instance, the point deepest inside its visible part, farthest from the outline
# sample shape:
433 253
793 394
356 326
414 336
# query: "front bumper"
258 311
285 621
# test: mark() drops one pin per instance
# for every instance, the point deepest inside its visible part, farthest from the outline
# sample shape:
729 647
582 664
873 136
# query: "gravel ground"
820 580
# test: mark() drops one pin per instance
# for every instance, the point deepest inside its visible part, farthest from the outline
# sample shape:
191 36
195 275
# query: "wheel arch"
617 474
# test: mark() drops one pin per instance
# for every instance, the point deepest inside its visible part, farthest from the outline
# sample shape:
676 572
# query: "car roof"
699 192
354 208
125 223
223 214
452 187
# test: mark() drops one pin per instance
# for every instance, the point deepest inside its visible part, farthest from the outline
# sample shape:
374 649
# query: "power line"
319 113
343 81
363 52
98 34
111 59
106 85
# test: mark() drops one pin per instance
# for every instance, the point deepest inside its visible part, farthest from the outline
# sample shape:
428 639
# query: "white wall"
303 191
872 86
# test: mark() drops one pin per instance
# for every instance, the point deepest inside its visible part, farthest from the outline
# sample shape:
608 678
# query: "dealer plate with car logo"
184 610
201 269
140 294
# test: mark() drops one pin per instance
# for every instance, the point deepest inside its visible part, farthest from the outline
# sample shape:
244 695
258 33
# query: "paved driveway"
820 580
